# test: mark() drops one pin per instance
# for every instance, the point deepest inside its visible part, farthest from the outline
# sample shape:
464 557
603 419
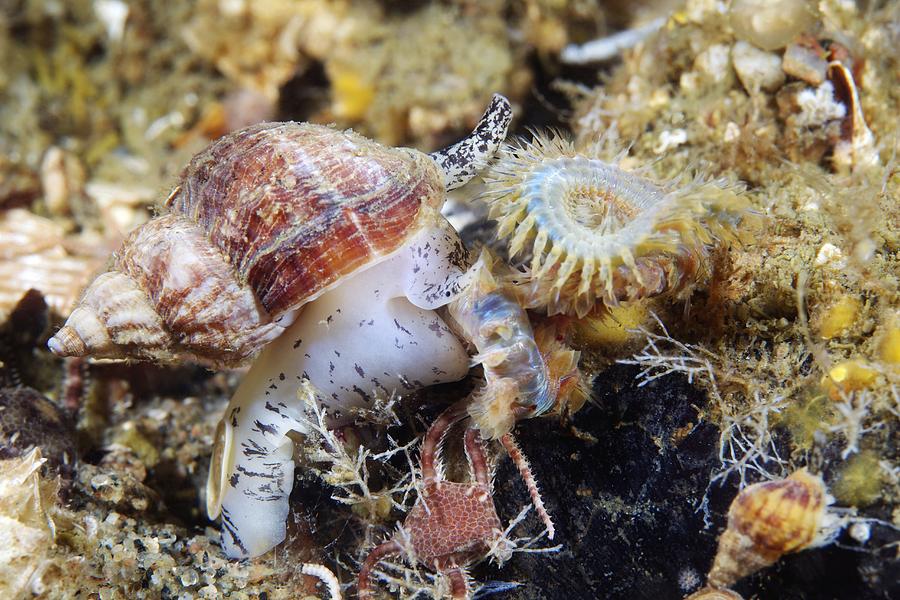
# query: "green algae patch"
860 480
803 419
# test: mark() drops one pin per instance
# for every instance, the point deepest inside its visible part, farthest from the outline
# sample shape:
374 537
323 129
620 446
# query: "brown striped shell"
263 221
768 520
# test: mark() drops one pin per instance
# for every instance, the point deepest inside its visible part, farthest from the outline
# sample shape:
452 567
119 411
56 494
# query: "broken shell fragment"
768 520
32 256
856 147
28 503
23 232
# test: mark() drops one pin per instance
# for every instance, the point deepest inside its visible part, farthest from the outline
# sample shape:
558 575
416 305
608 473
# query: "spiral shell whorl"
766 521
263 221
209 316
170 294
597 233
305 205
114 319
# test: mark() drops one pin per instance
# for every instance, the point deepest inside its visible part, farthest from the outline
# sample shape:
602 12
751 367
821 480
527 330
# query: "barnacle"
598 233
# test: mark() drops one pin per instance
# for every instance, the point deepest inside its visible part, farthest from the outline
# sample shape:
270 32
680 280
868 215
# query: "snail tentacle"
461 161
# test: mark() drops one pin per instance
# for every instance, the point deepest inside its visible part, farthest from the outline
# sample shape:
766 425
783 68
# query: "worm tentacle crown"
592 232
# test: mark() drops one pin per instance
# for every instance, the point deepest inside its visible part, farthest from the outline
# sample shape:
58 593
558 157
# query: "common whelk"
322 248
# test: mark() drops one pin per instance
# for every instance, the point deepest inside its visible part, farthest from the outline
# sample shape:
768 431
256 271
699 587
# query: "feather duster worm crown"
596 233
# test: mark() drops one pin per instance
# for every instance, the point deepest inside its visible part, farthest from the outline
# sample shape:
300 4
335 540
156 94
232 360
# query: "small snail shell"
709 593
263 221
770 519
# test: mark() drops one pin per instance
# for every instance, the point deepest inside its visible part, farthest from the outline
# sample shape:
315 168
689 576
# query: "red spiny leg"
518 458
459 588
475 450
433 439
378 552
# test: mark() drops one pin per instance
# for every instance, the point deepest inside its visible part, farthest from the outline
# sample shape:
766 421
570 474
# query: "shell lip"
219 468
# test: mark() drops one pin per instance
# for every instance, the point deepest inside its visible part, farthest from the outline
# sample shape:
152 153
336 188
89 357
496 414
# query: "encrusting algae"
793 336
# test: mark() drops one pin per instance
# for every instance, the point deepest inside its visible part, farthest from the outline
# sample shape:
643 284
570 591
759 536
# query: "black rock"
28 419
629 509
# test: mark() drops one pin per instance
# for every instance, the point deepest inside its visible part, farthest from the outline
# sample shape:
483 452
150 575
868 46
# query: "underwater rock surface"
629 509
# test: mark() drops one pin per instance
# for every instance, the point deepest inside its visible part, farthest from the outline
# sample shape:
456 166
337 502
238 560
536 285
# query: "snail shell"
709 593
263 221
767 520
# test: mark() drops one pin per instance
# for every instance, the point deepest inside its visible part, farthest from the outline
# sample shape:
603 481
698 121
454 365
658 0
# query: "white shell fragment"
669 139
757 69
830 255
113 14
610 46
856 150
818 106
26 528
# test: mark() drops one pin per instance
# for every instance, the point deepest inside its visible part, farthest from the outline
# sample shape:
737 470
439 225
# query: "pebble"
771 24
757 69
804 63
